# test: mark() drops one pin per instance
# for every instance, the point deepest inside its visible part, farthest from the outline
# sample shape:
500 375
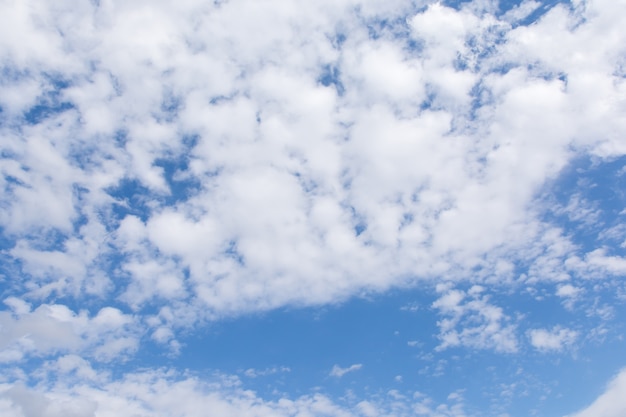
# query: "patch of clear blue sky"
310 341
376 332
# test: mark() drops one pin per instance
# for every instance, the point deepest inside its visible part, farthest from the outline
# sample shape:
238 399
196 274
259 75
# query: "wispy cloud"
338 371
255 373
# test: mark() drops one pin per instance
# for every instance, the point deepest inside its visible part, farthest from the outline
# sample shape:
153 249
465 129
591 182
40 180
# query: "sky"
280 208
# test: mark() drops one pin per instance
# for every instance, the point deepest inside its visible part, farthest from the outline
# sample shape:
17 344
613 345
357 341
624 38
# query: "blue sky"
335 208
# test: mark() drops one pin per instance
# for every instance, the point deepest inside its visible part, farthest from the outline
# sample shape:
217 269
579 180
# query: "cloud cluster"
180 156
167 164
82 392
472 321
69 386
53 328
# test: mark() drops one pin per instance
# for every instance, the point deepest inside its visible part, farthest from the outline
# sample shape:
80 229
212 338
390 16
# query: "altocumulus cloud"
170 165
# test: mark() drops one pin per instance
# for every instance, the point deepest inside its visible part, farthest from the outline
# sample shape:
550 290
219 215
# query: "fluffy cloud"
611 403
472 321
163 393
168 164
52 328
192 161
556 339
331 156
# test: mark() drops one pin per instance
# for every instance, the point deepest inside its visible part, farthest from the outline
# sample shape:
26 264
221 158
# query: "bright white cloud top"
198 195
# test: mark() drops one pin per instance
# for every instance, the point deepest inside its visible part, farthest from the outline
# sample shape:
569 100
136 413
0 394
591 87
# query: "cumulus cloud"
201 161
568 291
190 161
611 403
160 393
569 294
470 320
554 340
52 328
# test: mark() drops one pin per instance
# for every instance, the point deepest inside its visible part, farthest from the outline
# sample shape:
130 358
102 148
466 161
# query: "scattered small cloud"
471 320
569 294
568 291
411 307
554 340
338 371
255 373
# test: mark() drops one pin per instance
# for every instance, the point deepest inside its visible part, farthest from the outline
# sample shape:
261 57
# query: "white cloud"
255 373
159 393
556 339
569 294
300 165
611 403
521 11
50 329
338 371
470 320
422 159
568 291
598 259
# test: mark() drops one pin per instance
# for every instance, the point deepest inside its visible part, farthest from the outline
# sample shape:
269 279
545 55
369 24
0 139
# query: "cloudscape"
281 208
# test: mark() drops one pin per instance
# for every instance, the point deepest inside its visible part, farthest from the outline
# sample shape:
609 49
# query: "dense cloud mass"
166 165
